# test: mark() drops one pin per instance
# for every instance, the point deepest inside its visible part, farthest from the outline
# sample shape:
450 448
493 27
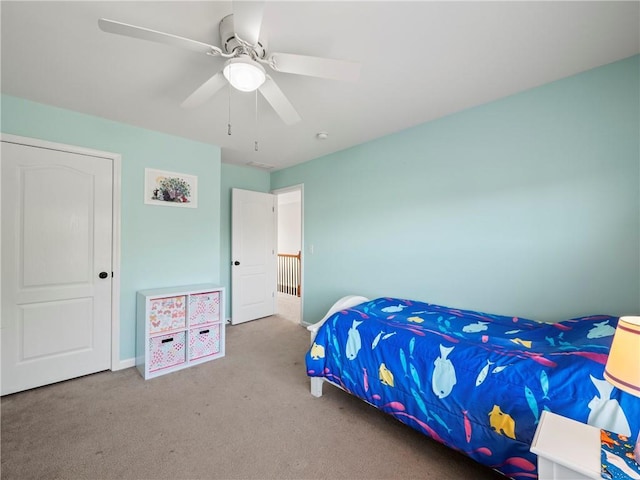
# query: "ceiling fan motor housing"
230 43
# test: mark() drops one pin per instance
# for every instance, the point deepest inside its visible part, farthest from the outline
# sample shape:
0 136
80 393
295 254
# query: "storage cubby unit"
178 327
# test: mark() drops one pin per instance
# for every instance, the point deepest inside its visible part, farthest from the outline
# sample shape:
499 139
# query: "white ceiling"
420 61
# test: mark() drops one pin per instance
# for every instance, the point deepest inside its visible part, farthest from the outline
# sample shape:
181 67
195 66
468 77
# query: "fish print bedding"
473 381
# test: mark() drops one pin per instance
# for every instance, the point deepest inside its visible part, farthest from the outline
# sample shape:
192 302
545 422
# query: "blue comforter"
473 381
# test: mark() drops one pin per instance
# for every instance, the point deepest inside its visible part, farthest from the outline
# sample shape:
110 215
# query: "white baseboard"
122 364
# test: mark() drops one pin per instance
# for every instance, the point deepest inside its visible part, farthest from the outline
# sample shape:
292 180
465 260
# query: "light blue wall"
234 176
161 246
526 206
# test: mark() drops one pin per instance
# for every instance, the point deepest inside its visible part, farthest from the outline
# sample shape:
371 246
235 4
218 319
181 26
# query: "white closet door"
56 265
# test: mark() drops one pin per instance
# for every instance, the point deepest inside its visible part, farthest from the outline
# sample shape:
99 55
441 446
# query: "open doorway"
289 295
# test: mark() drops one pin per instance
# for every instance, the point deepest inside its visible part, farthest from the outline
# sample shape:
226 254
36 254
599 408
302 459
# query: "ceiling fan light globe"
244 74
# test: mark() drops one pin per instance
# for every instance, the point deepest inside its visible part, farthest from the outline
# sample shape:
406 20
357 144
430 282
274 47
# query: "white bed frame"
342 304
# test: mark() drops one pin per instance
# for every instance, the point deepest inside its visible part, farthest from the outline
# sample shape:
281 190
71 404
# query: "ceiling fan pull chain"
255 143
229 115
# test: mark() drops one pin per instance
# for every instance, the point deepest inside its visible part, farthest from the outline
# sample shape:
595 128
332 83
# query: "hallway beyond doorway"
289 307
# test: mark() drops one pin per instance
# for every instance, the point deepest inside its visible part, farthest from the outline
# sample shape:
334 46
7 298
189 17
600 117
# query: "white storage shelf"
178 327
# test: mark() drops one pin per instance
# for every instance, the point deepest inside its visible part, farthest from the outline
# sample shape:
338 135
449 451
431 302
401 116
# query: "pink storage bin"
167 314
204 308
204 341
167 351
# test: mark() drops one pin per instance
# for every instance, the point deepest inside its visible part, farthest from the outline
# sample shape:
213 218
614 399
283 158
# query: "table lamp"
623 364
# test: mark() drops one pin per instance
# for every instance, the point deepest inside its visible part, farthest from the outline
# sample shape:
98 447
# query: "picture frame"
170 189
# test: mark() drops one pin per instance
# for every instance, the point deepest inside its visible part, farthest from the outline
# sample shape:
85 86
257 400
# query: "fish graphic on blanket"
606 412
386 377
544 384
381 336
444 375
394 309
317 351
531 401
524 343
602 329
502 422
483 373
354 344
475 327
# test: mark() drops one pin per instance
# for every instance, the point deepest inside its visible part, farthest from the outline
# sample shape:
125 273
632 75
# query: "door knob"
236 263
103 274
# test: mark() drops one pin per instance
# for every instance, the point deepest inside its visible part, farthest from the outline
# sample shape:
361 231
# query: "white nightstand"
566 449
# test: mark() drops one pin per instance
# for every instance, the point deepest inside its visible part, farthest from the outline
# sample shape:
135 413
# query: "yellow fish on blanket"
502 423
524 343
317 351
415 319
386 377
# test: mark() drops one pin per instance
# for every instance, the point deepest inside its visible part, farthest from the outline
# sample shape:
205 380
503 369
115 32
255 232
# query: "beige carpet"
289 307
248 415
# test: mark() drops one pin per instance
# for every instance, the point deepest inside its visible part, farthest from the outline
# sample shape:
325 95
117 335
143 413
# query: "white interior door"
56 265
253 255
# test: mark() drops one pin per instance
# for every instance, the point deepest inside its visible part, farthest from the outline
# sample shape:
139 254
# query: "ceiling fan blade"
247 20
316 66
272 93
111 26
205 91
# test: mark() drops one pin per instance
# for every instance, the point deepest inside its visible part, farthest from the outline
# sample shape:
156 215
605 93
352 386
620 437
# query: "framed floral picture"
170 189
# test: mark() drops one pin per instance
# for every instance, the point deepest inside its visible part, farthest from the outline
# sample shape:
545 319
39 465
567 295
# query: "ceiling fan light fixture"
244 74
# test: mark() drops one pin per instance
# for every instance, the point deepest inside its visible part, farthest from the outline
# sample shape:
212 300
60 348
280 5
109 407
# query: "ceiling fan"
247 56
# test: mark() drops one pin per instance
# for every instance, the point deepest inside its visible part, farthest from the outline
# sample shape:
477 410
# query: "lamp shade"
244 74
623 365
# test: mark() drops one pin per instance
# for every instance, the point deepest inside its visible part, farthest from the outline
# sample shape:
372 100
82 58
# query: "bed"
473 381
